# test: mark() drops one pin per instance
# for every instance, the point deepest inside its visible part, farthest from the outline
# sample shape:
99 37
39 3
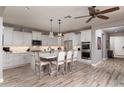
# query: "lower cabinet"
11 60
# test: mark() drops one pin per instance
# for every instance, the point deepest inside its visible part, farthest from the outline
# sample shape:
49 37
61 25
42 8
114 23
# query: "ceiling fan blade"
89 19
102 17
109 10
81 16
67 16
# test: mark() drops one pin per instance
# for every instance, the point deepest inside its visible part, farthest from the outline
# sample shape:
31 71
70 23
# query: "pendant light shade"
60 35
51 35
51 32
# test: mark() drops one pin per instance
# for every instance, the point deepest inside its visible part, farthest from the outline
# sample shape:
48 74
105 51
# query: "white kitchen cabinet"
27 39
74 37
86 36
36 35
11 60
55 41
8 36
18 38
44 39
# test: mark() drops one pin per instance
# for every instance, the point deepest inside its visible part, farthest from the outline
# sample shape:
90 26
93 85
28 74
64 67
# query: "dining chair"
75 57
69 60
39 64
59 62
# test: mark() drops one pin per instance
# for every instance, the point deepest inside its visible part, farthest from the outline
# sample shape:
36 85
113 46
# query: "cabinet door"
44 39
49 41
88 36
8 36
118 46
38 35
34 35
55 41
27 39
18 38
83 36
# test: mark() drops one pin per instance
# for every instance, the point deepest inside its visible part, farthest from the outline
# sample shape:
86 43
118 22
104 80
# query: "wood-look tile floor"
107 73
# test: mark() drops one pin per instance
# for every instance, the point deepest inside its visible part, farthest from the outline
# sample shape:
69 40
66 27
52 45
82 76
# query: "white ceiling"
119 29
39 16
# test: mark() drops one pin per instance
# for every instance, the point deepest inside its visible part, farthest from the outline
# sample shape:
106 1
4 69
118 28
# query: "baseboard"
1 80
118 56
97 63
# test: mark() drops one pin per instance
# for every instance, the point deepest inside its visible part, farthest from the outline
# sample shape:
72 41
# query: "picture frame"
99 43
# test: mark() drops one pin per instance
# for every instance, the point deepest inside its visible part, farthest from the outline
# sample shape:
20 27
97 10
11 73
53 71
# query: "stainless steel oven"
86 50
85 45
86 54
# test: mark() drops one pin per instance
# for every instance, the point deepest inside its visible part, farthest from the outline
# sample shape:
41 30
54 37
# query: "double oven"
86 50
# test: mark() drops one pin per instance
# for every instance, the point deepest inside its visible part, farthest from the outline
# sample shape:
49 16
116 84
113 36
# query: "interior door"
119 46
68 45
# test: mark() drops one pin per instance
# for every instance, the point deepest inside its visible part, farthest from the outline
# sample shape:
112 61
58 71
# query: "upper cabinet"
36 35
44 39
86 36
54 41
18 38
22 38
27 39
74 37
8 36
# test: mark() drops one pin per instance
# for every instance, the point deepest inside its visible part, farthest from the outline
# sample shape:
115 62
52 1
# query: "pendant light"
51 33
60 35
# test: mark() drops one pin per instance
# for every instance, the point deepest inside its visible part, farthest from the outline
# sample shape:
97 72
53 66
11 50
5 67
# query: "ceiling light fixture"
60 35
51 33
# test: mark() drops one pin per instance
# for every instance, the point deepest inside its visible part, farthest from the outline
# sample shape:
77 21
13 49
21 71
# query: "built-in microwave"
85 45
36 42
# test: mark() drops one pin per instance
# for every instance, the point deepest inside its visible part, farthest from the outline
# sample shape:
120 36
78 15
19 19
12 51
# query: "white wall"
99 52
1 52
96 55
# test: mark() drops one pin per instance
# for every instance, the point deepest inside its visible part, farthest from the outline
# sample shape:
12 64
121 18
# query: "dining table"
48 56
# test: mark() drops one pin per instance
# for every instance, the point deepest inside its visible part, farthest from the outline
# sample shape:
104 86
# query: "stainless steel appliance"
36 42
86 50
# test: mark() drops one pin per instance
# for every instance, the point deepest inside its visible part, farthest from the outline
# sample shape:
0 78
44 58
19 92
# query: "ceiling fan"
93 13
